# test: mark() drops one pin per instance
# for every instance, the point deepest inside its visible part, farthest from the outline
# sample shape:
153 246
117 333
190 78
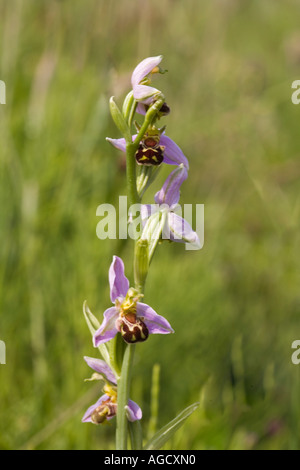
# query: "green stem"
126 370
116 353
154 401
131 148
123 394
150 115
135 431
133 198
131 115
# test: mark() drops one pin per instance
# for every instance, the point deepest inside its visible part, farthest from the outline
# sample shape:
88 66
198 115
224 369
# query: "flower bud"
127 104
141 263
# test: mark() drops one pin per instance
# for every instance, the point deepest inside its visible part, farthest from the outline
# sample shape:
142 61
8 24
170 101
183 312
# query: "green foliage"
234 305
167 431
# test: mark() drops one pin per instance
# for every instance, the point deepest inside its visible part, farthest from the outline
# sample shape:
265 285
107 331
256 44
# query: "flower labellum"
172 154
133 330
150 152
106 410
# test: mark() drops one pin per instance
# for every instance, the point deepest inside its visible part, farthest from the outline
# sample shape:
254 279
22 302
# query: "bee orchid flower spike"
129 322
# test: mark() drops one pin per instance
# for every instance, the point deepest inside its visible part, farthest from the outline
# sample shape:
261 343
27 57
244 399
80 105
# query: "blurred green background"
234 304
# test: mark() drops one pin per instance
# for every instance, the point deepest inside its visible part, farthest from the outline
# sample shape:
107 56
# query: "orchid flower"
106 406
133 319
174 227
172 154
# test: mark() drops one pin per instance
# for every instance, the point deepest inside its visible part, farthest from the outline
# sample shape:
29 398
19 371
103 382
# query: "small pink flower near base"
106 406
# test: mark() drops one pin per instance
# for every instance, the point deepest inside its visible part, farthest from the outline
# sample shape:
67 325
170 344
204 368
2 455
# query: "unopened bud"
141 263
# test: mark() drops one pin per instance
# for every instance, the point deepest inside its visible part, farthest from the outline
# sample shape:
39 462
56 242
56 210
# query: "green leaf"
119 120
154 400
93 325
123 392
129 107
166 432
135 432
90 319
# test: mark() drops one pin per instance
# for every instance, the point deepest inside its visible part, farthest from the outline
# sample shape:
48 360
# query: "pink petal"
107 329
87 415
118 143
170 192
173 155
179 230
144 93
144 68
155 323
134 412
118 282
102 368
